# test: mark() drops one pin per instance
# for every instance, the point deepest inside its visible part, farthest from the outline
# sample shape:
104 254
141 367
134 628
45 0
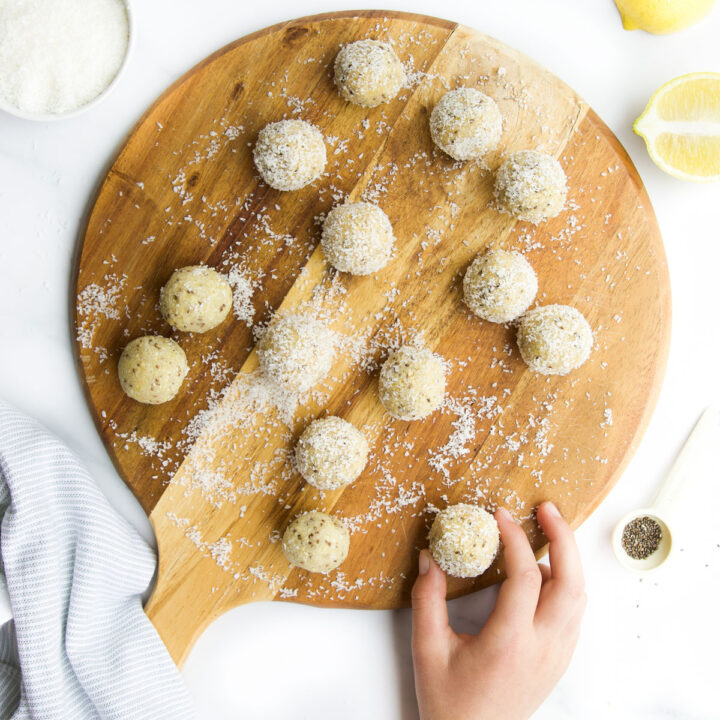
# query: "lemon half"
681 127
662 16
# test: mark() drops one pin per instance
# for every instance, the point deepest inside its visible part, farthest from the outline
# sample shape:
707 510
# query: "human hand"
507 669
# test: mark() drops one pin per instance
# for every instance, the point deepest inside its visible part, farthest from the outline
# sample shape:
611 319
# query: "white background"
649 648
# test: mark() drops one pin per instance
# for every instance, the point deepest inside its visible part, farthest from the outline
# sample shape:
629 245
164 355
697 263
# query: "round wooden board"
220 487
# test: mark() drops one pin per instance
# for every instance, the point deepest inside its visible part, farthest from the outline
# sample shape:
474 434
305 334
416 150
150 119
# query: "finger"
579 612
564 553
564 593
571 614
571 633
431 629
546 573
518 595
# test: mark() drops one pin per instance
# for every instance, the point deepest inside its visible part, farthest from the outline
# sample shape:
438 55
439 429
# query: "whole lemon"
662 16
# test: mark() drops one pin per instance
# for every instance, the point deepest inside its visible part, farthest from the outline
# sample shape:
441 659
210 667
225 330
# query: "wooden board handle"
193 589
178 622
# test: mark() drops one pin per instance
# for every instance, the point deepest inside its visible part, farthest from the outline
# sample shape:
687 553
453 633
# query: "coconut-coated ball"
466 124
296 351
531 185
331 453
412 383
290 154
368 73
357 238
196 299
464 540
151 369
554 339
316 541
499 285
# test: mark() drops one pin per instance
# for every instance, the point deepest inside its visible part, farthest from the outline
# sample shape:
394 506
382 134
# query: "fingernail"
423 562
505 513
551 509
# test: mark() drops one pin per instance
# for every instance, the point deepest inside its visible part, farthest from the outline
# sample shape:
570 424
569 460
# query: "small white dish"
51 117
652 561
662 510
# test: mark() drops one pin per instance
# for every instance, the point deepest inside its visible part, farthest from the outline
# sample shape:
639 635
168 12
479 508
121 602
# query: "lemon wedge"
681 127
662 16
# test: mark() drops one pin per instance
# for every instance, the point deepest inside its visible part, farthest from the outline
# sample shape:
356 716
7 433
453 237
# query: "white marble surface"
649 648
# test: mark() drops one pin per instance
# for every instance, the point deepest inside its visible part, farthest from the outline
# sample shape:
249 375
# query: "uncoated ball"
466 124
196 299
357 238
464 540
531 186
151 369
296 351
412 383
554 339
289 154
368 72
316 541
499 285
331 453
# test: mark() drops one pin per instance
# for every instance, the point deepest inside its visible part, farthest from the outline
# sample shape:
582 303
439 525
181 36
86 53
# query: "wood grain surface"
213 467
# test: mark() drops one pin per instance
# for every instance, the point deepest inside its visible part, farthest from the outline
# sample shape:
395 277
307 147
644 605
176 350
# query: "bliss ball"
412 383
290 154
464 540
316 541
357 238
196 299
368 73
554 339
531 186
296 351
499 285
151 369
466 124
331 453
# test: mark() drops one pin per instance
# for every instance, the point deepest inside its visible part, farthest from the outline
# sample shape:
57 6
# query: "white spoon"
661 511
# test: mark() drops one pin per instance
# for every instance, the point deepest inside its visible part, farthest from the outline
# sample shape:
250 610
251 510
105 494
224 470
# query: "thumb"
431 629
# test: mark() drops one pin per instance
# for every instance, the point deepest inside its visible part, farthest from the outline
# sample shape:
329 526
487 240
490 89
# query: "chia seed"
641 537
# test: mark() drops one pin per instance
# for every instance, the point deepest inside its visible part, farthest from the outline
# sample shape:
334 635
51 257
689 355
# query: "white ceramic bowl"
50 117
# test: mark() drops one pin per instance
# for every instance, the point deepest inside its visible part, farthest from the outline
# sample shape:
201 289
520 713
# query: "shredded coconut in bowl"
58 55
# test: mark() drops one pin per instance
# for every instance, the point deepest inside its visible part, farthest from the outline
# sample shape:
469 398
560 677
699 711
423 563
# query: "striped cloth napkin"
80 645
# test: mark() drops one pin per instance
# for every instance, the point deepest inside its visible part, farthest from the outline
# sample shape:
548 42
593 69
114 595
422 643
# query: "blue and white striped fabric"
80 645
